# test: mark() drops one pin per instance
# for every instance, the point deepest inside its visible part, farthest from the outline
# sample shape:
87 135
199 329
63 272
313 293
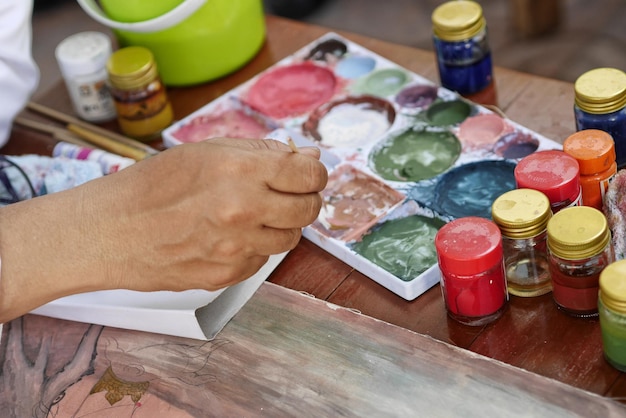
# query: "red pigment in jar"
579 244
470 258
554 173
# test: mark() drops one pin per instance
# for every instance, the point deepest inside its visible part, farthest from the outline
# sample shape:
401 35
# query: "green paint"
448 113
415 154
382 83
613 326
404 247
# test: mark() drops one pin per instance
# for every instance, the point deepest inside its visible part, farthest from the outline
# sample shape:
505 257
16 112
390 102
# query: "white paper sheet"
198 314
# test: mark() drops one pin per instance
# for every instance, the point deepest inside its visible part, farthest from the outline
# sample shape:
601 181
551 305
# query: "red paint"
292 90
469 252
229 123
555 174
575 293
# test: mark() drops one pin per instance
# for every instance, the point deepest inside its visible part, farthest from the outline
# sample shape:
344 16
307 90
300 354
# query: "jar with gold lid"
143 108
522 216
463 54
600 103
612 309
579 248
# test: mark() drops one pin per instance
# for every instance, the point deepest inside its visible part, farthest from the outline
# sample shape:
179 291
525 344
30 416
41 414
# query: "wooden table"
532 335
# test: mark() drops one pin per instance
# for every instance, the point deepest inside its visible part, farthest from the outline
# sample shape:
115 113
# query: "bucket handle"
165 21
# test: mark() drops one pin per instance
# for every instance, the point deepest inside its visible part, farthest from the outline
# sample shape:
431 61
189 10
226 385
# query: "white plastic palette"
404 155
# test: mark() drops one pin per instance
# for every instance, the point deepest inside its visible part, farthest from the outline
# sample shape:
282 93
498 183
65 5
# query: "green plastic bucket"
193 41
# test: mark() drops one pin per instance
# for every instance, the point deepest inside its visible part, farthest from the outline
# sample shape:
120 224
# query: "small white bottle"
82 59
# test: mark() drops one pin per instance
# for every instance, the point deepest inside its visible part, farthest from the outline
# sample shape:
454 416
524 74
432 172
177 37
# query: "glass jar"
82 58
595 152
469 255
612 309
600 103
143 108
463 54
579 248
522 216
553 173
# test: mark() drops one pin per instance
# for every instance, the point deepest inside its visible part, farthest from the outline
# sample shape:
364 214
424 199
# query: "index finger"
297 173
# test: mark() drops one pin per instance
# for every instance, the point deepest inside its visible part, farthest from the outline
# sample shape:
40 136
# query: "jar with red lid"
595 152
554 173
470 259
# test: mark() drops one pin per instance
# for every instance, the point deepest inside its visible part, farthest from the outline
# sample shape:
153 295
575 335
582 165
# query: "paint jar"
555 174
522 216
600 103
143 108
463 53
612 310
595 152
82 58
470 259
579 248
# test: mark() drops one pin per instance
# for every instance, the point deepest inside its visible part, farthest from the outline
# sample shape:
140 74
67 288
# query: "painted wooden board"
283 354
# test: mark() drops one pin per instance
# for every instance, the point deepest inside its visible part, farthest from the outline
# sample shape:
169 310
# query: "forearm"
47 252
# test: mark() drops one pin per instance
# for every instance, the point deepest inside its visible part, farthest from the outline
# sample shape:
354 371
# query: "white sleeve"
19 74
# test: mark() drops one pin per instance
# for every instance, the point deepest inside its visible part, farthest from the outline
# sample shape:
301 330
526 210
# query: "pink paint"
292 90
228 123
482 131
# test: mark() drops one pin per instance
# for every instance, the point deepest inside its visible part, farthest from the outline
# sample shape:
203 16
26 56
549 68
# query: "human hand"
204 215
208 215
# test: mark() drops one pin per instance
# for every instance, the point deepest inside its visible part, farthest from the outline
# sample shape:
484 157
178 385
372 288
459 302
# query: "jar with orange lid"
595 152
600 103
612 309
143 108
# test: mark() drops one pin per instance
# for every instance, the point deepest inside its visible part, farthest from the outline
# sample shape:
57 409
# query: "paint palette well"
404 155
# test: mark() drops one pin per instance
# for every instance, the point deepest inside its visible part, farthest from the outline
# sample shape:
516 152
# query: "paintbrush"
102 135
292 145
57 133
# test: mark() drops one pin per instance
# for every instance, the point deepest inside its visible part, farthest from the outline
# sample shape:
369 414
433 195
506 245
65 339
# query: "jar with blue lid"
600 103
463 53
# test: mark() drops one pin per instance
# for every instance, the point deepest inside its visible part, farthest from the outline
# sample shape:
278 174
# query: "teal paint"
470 189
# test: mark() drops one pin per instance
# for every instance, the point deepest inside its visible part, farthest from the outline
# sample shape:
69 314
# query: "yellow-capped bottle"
463 53
612 309
522 216
600 103
143 108
579 248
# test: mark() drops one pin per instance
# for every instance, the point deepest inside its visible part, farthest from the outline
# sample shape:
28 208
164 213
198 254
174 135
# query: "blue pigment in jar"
600 103
463 53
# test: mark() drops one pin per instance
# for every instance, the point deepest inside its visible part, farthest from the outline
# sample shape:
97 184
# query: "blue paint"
464 67
613 123
354 67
